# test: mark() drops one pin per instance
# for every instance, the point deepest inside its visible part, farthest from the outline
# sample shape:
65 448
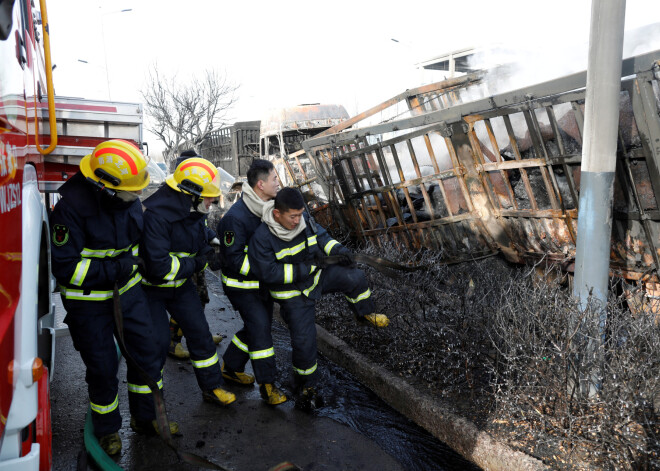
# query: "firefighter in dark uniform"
286 253
96 228
176 348
254 341
174 246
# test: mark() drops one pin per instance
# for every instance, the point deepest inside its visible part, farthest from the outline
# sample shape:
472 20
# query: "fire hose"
383 265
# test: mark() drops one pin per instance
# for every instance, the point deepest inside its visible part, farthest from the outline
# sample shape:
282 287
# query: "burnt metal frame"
576 81
350 145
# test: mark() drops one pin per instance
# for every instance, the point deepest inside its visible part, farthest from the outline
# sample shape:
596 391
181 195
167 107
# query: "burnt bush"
510 350
580 380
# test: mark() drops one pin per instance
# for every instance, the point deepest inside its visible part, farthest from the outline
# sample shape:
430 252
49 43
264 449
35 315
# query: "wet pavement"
354 430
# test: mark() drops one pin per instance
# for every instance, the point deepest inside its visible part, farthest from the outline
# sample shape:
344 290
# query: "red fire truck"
42 139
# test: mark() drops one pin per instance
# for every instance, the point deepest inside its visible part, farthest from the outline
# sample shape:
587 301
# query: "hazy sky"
284 53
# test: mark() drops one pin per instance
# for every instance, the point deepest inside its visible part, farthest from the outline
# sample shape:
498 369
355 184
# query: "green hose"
94 449
92 446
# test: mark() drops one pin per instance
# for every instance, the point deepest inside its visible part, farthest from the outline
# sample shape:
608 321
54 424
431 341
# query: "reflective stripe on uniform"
361 297
306 372
143 388
288 273
236 341
183 254
296 248
260 354
290 251
328 247
245 267
206 363
285 294
294 292
100 253
80 272
234 283
316 282
169 284
105 409
83 266
84 295
174 268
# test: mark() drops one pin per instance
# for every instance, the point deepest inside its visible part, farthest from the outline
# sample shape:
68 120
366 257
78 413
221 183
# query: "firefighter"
254 341
96 229
174 246
286 253
176 348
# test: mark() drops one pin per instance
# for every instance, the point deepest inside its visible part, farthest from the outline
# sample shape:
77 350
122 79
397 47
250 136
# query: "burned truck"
281 135
277 137
498 174
233 148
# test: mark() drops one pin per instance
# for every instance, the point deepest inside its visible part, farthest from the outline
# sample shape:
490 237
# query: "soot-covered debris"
506 347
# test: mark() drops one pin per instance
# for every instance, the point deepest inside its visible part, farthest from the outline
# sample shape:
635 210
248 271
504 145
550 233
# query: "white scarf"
276 228
252 200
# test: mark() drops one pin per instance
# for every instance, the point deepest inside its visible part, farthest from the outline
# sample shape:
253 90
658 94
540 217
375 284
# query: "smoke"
510 66
642 40
516 66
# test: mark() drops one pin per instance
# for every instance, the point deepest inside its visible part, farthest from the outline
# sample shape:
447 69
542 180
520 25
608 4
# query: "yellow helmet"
196 176
118 163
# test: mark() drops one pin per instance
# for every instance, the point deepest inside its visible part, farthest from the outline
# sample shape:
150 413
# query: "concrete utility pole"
601 122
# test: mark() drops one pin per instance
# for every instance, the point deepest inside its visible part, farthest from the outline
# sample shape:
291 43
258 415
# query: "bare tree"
185 113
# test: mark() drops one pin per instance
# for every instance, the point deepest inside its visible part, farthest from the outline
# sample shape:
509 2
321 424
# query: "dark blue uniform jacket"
171 238
287 268
235 229
90 231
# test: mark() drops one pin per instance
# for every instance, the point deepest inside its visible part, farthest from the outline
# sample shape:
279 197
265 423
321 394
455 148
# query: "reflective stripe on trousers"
205 363
256 355
143 388
99 409
306 372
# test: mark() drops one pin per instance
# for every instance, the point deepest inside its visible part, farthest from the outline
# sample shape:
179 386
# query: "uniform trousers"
299 314
186 309
91 324
254 341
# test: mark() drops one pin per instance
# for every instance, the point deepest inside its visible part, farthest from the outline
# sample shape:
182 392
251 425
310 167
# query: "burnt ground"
462 334
423 344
